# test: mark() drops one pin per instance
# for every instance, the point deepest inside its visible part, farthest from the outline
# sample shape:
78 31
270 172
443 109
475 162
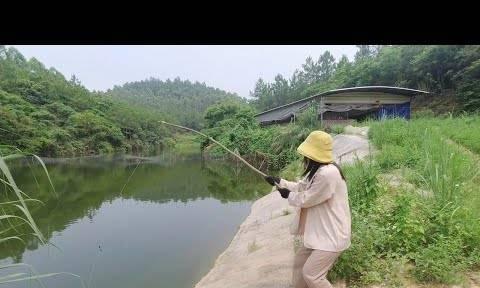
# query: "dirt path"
261 253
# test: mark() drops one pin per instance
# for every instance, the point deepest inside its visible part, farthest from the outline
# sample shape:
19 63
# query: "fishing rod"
221 145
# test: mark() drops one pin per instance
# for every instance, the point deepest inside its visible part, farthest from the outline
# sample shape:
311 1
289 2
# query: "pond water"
118 222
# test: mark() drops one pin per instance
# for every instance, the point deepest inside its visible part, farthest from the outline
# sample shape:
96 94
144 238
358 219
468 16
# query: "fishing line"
128 180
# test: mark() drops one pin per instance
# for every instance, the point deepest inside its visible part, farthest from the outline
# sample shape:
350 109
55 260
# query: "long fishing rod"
221 145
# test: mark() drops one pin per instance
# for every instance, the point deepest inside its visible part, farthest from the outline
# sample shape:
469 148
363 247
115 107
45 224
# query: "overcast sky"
231 68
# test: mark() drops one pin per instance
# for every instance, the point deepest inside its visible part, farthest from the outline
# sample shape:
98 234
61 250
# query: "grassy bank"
415 216
185 144
427 230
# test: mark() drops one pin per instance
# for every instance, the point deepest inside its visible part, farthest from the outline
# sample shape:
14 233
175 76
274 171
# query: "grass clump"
336 129
253 246
15 217
286 212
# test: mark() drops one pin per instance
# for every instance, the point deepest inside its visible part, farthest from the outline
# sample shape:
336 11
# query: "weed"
363 185
286 212
252 247
16 214
337 129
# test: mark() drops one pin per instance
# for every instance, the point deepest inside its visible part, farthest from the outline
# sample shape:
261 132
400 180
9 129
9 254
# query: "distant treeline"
44 113
434 68
184 101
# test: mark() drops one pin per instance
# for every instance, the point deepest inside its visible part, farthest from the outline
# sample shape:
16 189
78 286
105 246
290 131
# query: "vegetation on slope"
435 68
271 148
184 101
42 112
428 231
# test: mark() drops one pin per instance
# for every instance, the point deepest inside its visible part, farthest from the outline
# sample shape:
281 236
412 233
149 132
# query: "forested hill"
44 113
441 69
184 101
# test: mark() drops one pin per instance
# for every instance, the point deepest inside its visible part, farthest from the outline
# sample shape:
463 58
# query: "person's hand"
284 192
272 180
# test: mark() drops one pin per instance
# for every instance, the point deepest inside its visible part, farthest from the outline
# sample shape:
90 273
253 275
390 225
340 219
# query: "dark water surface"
165 229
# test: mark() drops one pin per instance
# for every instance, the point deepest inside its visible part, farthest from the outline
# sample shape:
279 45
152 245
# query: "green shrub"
404 225
357 260
274 146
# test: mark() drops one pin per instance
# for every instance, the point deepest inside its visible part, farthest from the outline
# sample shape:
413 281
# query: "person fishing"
323 219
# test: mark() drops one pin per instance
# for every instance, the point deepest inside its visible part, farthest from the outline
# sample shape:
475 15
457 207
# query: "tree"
367 51
3 52
437 63
327 66
75 81
311 71
51 116
469 87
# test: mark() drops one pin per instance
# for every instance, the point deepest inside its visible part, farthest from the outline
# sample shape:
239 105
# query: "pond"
122 222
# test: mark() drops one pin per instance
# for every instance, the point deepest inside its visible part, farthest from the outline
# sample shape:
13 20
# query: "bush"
404 225
237 129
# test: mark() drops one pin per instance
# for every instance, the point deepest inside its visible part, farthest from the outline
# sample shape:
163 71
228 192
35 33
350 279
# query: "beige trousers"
310 268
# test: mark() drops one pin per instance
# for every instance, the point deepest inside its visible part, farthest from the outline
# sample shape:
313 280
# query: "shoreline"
261 252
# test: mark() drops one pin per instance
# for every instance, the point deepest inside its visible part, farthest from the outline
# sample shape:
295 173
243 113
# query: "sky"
233 68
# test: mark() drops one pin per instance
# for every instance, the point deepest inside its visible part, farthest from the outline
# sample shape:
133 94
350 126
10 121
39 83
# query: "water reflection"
82 187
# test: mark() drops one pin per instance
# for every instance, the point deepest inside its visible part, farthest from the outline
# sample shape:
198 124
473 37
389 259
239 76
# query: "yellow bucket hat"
318 146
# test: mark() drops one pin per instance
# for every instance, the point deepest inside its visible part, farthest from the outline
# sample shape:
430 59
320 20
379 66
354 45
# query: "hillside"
185 101
42 112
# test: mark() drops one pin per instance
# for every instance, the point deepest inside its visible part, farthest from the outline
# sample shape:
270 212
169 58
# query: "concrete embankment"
261 253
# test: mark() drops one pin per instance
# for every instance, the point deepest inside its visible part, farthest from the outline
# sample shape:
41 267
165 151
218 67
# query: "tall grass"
445 169
432 237
422 145
14 214
450 229
465 130
362 181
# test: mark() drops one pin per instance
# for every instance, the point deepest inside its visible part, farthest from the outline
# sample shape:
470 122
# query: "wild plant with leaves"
15 217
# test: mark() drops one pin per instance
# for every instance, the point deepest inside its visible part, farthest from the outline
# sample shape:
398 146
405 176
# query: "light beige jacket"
325 199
